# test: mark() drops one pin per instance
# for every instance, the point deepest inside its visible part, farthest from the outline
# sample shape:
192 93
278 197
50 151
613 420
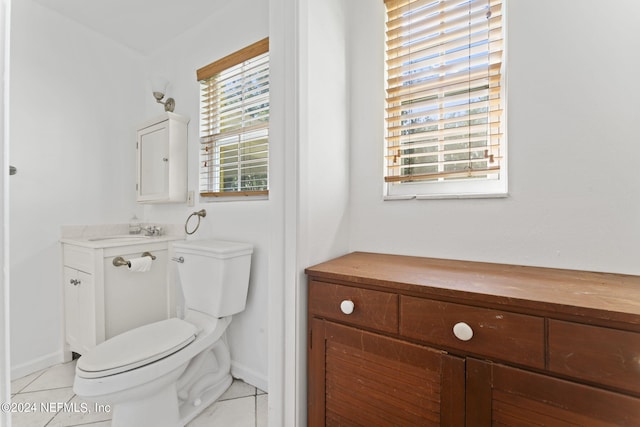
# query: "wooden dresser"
408 341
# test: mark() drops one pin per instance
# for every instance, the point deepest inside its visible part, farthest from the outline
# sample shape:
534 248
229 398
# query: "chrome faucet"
152 230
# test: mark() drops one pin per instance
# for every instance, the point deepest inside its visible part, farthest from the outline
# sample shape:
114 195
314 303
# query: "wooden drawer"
372 309
601 355
78 258
500 335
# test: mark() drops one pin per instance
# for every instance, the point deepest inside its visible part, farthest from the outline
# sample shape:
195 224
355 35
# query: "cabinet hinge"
310 339
136 187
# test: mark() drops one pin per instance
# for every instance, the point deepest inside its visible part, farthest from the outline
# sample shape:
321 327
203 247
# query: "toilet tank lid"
219 248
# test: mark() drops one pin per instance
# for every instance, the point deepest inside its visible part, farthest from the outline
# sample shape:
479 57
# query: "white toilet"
165 373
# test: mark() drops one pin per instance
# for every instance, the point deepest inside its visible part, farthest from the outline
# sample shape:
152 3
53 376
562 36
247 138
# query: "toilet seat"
136 348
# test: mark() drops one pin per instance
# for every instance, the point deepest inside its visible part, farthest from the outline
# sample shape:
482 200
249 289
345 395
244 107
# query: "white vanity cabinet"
161 148
79 297
102 300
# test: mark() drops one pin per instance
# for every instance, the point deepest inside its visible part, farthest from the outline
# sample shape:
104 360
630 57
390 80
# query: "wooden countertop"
598 298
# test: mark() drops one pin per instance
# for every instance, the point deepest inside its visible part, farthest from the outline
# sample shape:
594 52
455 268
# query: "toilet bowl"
165 373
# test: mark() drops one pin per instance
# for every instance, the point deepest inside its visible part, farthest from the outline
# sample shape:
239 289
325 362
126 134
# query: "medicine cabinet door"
153 162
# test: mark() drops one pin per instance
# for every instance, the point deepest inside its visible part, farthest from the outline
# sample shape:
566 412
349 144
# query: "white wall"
5 333
578 210
322 156
574 190
75 98
232 220
285 394
324 121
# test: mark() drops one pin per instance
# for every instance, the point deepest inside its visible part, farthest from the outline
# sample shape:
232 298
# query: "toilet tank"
214 275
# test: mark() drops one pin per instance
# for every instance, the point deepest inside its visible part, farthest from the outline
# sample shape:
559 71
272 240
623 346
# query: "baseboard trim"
35 365
249 376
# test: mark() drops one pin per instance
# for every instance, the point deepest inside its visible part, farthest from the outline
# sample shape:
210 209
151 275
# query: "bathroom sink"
121 237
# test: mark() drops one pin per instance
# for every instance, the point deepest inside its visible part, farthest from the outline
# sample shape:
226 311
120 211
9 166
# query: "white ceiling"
142 25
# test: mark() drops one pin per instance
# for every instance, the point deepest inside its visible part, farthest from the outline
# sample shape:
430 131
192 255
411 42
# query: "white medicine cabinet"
161 149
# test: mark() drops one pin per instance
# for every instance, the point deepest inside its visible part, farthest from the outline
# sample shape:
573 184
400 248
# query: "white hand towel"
140 265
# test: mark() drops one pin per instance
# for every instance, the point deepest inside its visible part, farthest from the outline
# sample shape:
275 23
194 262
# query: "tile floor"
50 393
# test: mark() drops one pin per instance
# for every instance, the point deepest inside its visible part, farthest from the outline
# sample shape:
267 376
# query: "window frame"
213 140
454 188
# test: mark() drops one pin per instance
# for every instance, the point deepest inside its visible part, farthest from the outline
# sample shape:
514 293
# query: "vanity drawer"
601 355
78 258
496 334
371 309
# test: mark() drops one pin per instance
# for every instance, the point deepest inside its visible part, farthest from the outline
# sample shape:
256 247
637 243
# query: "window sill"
238 197
446 196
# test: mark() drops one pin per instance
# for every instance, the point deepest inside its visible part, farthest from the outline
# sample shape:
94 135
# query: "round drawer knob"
462 331
347 306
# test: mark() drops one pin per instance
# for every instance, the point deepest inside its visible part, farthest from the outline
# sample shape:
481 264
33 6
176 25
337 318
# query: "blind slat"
425 102
441 134
441 28
454 156
425 49
234 124
260 74
448 59
425 143
441 175
246 130
432 13
445 80
461 122
426 38
444 89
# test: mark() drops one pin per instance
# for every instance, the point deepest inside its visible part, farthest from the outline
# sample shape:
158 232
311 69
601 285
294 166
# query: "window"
445 99
234 124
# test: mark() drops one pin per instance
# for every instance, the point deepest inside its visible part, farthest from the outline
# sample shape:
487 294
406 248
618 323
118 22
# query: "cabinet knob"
165 159
462 331
347 306
74 282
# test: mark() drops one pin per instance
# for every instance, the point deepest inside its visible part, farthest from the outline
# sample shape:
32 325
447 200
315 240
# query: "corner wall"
322 166
238 220
574 191
75 98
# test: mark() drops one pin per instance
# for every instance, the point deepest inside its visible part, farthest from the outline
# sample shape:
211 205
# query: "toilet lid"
135 348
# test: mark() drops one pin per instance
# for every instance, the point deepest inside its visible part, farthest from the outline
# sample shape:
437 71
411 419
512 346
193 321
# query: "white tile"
242 405
100 424
42 406
58 376
229 413
80 411
19 384
237 389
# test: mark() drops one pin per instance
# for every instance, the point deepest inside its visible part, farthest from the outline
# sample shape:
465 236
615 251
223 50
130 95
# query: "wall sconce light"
159 87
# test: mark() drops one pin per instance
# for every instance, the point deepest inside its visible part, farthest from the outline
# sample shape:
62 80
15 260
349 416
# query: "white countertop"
114 235
97 242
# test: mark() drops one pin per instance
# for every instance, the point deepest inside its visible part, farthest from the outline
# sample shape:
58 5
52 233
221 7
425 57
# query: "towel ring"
200 214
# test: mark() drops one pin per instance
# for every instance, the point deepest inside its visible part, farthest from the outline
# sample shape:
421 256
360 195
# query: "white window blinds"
444 114
234 124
